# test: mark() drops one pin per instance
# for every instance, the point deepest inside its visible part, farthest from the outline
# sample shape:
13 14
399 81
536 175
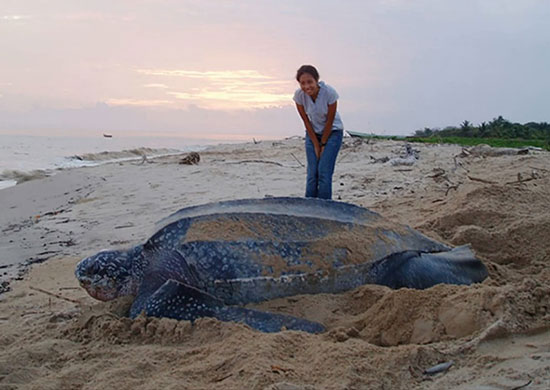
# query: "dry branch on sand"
54 295
255 161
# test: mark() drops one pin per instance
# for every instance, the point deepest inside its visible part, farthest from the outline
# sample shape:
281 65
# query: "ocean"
24 157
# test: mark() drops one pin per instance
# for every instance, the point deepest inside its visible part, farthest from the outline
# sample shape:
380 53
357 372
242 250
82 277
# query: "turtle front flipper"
183 302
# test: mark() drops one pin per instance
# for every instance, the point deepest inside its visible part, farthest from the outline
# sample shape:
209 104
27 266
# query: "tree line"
497 128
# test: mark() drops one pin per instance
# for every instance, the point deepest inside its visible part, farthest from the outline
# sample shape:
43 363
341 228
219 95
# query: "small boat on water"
107 135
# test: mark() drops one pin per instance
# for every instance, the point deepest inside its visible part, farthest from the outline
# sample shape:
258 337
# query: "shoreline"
496 332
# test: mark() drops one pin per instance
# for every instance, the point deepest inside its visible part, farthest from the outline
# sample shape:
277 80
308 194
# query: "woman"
316 104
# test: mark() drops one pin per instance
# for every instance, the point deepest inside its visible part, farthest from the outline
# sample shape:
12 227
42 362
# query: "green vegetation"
498 132
471 141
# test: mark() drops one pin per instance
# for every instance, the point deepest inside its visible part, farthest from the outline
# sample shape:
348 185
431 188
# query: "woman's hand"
318 150
309 128
321 150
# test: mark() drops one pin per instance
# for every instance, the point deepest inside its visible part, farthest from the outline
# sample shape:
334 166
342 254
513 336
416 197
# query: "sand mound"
505 224
376 338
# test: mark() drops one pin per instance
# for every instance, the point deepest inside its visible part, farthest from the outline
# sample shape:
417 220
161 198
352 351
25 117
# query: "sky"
225 69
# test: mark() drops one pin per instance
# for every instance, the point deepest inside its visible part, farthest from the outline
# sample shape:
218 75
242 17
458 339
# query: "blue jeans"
319 171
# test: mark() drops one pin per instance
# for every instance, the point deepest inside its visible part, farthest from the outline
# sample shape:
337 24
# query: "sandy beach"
497 333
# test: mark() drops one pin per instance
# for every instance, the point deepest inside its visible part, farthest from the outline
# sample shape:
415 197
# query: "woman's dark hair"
309 69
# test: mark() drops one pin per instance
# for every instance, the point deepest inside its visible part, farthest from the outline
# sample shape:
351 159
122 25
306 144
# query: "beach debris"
222 378
520 179
539 169
51 294
278 369
438 174
409 158
441 367
522 386
143 160
484 150
192 158
459 164
481 180
255 161
360 141
464 153
128 225
4 286
342 156
296 158
379 160
452 187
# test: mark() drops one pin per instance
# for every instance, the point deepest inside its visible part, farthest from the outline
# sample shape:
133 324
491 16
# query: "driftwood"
483 150
222 378
540 169
481 180
341 157
379 160
455 187
459 164
522 386
192 158
256 161
143 160
520 180
54 295
439 175
296 158
278 369
437 172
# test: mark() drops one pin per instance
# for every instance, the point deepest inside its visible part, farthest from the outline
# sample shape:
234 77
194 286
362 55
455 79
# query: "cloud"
95 17
225 90
235 99
139 102
208 75
14 17
156 85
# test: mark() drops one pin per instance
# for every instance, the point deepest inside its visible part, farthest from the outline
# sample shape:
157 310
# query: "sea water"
23 157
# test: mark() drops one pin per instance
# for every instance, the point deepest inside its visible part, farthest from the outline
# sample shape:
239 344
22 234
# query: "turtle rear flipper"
414 269
183 302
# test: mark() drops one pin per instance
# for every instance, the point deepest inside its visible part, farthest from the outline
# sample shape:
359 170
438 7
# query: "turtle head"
111 273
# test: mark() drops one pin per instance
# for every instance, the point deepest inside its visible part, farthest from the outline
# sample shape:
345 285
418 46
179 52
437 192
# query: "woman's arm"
328 126
309 128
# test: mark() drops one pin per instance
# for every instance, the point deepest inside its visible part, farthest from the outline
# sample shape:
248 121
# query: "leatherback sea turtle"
210 260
